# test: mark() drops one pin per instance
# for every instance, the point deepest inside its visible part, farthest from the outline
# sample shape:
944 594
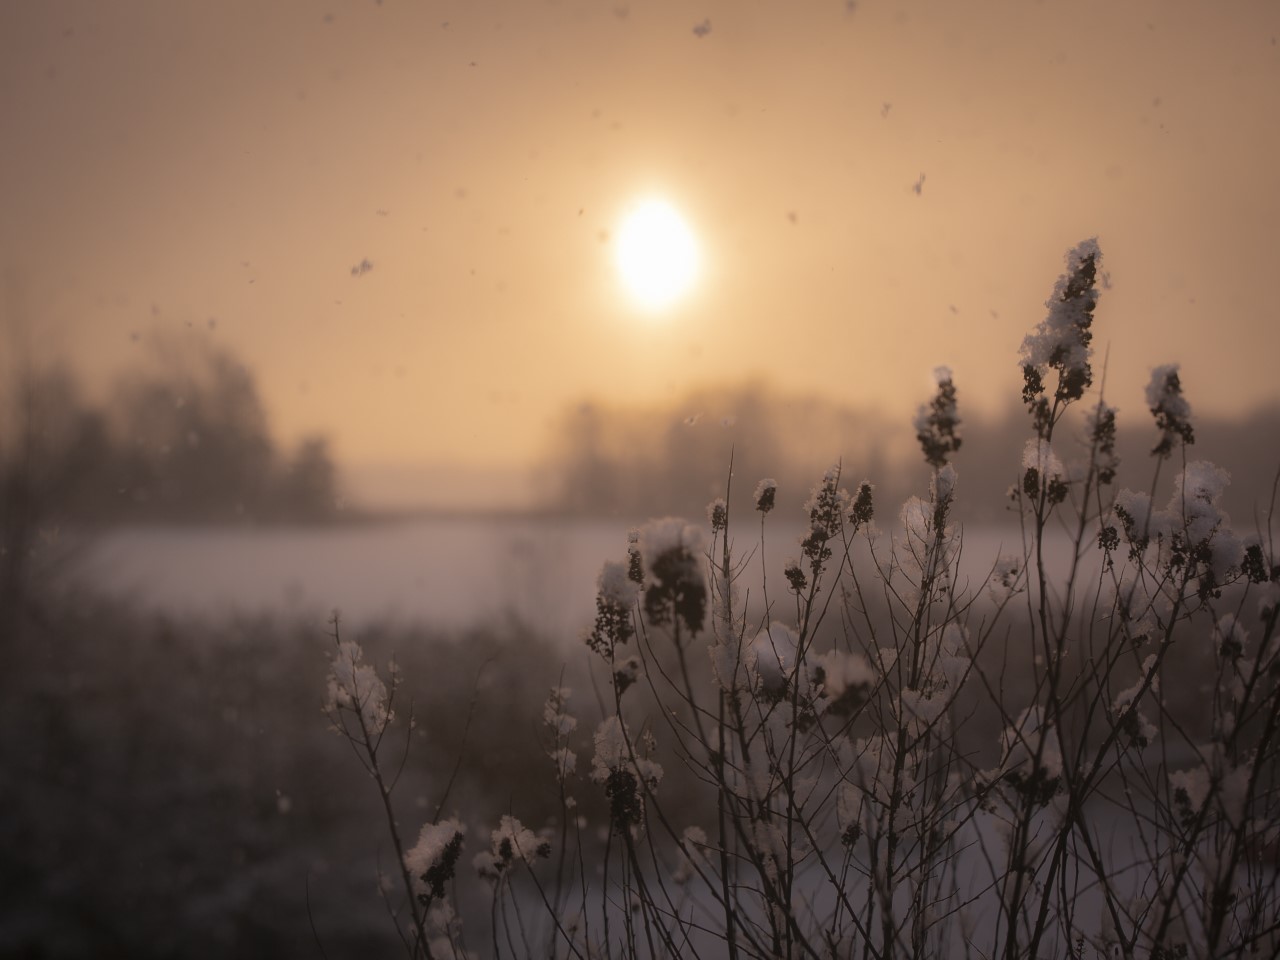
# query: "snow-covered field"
448 572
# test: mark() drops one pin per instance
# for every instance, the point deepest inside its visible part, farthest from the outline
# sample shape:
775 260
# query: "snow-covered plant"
866 751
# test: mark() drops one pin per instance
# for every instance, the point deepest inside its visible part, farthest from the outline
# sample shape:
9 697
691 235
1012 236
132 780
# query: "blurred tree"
197 436
657 460
56 460
308 487
185 438
590 475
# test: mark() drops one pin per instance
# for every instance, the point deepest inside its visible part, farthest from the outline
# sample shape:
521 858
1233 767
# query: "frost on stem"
355 685
623 776
1204 535
557 718
432 860
927 543
616 593
676 591
1170 408
1062 340
936 424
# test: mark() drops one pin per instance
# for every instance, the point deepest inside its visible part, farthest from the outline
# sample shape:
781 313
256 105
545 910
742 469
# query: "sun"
656 255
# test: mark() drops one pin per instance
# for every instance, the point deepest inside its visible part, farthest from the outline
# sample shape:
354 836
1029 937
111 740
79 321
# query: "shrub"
888 760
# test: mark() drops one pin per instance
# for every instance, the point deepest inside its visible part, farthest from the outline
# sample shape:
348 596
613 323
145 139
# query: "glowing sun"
656 255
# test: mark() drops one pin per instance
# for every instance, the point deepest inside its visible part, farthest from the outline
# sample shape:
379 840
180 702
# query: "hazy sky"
224 165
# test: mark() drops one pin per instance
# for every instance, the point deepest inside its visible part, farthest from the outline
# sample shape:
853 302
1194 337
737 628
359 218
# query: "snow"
775 655
611 749
843 671
659 537
942 485
1062 337
355 685
1162 395
614 586
1038 455
766 493
427 852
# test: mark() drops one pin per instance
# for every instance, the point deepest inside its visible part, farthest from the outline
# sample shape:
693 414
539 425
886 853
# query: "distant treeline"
185 439
631 463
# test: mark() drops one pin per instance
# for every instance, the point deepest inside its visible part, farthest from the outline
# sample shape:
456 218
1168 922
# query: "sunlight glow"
657 254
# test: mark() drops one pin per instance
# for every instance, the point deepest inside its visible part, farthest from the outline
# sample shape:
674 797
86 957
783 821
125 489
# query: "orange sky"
167 164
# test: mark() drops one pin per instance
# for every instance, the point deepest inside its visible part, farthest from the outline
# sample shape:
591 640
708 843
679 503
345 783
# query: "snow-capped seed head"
1190 788
625 776
766 492
611 751
513 843
616 594
795 575
826 507
556 716
1199 481
1005 577
718 514
942 485
1043 470
635 565
1062 340
1039 456
565 761
432 860
615 586
1170 409
863 510
775 657
1229 637
673 555
937 423
1134 723
845 679
626 673
355 685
